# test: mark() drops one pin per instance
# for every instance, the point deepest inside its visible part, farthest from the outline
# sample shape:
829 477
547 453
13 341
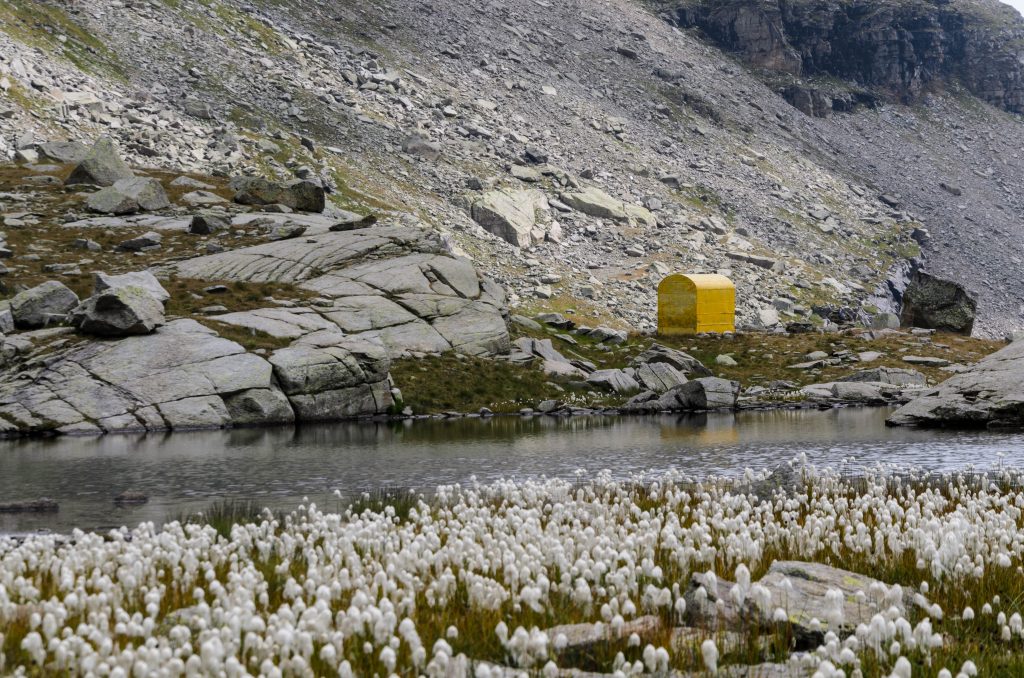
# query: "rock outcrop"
393 286
902 48
986 395
184 376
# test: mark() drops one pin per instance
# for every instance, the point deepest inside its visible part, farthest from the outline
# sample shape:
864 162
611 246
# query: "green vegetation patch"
44 24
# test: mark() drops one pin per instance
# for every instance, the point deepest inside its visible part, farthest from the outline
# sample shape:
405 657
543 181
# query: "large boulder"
43 305
816 598
511 215
934 303
988 394
302 195
119 312
706 393
594 202
102 166
128 196
144 279
63 151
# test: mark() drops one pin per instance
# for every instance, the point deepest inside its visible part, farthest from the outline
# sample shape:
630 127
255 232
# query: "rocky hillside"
574 151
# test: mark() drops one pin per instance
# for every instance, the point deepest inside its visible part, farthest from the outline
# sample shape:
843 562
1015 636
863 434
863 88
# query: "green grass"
448 383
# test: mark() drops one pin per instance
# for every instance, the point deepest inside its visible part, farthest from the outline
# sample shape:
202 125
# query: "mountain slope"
613 95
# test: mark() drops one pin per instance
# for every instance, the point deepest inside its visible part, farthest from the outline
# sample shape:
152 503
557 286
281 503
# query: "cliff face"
904 47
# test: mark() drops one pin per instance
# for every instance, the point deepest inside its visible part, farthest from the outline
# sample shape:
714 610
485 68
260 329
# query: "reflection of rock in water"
701 428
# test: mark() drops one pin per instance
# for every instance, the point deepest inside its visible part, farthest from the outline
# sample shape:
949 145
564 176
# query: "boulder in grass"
128 196
146 241
143 279
119 312
302 195
207 224
43 305
102 166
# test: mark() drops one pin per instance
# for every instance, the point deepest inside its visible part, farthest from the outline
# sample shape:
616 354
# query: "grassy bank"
479 575
457 383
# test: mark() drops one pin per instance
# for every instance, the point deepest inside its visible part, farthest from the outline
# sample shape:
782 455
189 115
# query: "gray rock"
111 201
199 109
390 285
584 638
199 198
302 195
343 379
684 362
207 224
510 215
885 321
189 182
423 148
925 361
144 279
613 380
142 242
596 203
800 588
101 167
934 303
128 196
285 231
705 393
184 376
987 394
43 305
889 375
65 152
258 406
659 377
119 312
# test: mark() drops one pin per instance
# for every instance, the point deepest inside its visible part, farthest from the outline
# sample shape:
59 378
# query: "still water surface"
185 472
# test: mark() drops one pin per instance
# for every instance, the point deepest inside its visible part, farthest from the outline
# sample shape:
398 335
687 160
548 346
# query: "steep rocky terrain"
575 152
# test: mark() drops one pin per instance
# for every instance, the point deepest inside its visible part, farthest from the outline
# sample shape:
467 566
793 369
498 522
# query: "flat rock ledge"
989 394
394 286
185 376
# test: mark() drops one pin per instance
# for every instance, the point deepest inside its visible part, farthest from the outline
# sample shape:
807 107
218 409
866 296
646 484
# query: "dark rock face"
938 304
903 48
301 195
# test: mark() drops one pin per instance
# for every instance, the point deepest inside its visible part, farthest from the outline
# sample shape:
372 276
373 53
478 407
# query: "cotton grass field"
472 581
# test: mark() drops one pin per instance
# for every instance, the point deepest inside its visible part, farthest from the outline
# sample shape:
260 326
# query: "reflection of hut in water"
690 303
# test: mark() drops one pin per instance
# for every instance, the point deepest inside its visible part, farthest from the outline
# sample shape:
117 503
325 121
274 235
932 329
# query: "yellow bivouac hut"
693 303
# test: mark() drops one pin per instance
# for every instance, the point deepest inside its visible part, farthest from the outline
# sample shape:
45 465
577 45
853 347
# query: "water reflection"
184 472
